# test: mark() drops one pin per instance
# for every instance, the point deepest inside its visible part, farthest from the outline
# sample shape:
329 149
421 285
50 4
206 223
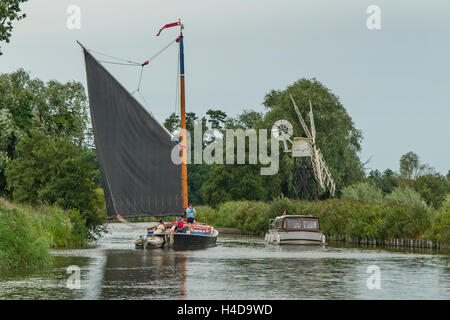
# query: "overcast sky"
394 82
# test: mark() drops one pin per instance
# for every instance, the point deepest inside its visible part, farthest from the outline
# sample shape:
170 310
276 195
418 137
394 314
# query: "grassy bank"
338 217
28 233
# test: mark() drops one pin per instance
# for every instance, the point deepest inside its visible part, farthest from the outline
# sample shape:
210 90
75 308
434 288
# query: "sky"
394 81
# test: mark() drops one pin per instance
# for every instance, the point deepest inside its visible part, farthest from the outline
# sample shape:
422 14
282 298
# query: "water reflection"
144 274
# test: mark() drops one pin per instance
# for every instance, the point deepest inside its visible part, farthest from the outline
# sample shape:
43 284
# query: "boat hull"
184 241
193 241
294 237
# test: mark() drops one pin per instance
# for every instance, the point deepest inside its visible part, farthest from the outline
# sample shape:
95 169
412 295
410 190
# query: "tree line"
337 137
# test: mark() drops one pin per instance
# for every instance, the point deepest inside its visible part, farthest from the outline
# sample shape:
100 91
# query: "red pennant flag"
168 26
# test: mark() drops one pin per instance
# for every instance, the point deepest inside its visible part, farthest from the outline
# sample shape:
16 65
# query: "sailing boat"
134 152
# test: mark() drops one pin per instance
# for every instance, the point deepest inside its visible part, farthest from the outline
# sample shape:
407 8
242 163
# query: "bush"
27 233
363 191
440 229
21 243
357 219
405 195
53 171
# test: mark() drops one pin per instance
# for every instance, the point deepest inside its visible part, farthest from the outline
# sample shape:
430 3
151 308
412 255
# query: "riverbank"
355 220
27 233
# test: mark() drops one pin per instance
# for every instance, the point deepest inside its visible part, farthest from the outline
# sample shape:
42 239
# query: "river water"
237 268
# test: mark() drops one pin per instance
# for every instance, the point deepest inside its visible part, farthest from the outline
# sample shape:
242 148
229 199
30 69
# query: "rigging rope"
119 63
159 52
112 57
147 62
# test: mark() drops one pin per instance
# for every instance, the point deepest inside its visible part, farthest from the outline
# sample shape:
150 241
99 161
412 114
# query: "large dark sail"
134 150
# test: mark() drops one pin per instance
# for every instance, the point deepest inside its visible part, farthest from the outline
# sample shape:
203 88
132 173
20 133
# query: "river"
237 268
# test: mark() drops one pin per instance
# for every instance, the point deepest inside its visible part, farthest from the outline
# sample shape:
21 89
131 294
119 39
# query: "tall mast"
184 188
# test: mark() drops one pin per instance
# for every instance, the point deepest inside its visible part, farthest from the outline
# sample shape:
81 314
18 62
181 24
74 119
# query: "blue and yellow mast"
184 187
182 112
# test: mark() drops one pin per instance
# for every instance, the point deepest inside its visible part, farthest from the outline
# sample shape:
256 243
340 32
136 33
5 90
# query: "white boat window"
293 223
310 224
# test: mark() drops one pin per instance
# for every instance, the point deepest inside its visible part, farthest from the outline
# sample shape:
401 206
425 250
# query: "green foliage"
337 137
217 118
52 171
433 188
58 110
363 191
10 11
248 119
172 122
90 156
20 242
405 195
248 216
27 233
197 175
385 181
441 226
409 165
337 217
238 182
440 230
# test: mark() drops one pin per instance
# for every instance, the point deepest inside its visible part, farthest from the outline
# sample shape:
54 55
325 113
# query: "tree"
238 182
191 118
409 165
433 188
52 170
172 122
198 174
362 191
406 195
337 137
248 119
386 181
411 168
217 118
9 12
56 109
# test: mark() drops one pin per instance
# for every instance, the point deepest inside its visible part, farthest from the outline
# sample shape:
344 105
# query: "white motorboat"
295 229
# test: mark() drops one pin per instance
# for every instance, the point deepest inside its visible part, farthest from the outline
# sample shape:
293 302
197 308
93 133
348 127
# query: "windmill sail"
321 172
134 150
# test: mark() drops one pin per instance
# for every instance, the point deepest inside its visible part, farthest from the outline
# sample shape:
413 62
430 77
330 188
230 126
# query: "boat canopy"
133 148
297 223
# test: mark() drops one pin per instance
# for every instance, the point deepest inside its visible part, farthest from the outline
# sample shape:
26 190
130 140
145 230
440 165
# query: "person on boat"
179 226
190 214
160 227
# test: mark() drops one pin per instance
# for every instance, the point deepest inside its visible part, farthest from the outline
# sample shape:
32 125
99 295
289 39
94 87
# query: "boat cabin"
296 223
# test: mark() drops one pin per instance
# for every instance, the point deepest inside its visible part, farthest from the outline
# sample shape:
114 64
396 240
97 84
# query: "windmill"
306 147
